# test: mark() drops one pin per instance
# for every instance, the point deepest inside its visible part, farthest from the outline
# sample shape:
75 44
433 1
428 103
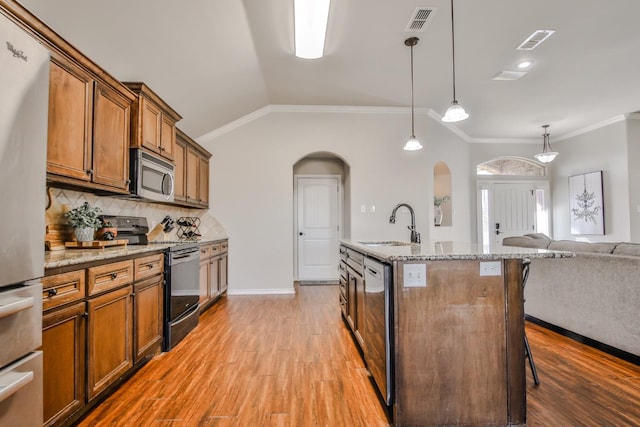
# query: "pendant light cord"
453 50
413 135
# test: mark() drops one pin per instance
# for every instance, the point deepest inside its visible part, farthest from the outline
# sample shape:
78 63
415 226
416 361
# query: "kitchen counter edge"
447 251
67 257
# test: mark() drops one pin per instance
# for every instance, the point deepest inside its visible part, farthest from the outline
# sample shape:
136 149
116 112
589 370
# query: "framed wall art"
586 205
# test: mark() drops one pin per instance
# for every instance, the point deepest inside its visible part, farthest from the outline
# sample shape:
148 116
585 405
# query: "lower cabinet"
98 324
147 317
63 341
213 272
109 339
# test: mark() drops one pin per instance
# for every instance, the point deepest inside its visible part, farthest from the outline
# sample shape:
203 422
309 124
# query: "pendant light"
547 154
412 144
455 112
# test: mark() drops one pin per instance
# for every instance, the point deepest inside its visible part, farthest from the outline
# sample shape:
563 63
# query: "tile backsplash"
62 200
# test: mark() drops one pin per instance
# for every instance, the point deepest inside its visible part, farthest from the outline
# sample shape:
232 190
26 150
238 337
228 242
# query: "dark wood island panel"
459 352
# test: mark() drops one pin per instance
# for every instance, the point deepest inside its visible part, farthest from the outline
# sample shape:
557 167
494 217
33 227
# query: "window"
510 166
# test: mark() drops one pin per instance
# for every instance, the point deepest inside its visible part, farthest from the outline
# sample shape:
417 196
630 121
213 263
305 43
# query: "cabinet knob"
52 292
114 276
150 266
85 314
89 171
128 182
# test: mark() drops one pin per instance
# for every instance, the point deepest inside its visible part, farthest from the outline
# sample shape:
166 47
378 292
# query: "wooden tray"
96 244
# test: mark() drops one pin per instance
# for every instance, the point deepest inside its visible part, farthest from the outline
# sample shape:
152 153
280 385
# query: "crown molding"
591 128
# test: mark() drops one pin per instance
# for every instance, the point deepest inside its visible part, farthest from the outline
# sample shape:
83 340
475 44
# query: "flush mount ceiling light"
455 112
412 144
547 154
525 64
311 18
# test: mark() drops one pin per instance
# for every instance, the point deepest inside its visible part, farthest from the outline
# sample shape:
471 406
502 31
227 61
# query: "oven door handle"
15 306
12 382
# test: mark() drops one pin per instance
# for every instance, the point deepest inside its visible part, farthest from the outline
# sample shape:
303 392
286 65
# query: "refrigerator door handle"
11 382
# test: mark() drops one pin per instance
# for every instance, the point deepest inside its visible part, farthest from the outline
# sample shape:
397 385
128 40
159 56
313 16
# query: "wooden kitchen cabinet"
148 303
147 317
153 122
63 342
213 272
192 172
109 339
88 130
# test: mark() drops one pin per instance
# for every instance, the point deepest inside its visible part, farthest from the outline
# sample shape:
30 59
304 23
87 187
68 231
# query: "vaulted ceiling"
215 61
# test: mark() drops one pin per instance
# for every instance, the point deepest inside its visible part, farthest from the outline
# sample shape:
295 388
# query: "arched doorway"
321 216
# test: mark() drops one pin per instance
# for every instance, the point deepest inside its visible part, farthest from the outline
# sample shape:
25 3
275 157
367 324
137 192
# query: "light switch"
414 275
363 208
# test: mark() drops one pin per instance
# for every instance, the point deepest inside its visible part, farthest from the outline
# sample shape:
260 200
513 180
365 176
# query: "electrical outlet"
491 268
414 275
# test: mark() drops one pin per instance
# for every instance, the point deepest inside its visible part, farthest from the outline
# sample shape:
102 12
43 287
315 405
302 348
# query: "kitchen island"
454 331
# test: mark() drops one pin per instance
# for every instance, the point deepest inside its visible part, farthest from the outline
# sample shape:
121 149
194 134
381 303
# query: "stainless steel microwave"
152 178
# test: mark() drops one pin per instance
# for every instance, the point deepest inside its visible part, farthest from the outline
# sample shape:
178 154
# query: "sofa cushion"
525 242
541 236
573 246
632 249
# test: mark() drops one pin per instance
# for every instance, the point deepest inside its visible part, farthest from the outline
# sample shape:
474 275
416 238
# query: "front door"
318 228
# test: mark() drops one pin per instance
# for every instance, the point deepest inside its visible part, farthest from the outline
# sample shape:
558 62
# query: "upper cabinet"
88 136
192 172
153 122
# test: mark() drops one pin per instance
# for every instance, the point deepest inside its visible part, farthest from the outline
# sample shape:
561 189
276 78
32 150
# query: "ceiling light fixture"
412 144
547 154
455 112
311 17
525 64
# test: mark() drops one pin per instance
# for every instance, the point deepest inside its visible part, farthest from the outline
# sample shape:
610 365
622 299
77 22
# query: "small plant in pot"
107 230
84 220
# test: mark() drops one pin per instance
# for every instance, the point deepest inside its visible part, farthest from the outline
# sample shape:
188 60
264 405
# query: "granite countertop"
439 251
66 257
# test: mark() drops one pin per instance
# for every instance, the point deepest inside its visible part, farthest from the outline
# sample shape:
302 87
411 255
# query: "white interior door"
514 210
318 228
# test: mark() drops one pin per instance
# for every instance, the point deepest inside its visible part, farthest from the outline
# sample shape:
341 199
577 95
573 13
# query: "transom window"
510 166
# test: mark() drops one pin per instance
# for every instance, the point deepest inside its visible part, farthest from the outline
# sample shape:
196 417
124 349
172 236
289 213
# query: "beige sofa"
596 294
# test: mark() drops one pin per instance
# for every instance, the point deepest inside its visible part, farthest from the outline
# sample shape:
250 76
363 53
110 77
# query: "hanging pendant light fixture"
455 112
412 144
547 154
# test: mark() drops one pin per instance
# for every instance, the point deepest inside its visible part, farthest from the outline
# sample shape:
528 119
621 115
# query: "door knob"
300 233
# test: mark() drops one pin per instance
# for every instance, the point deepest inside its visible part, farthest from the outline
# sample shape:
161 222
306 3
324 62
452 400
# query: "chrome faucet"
415 236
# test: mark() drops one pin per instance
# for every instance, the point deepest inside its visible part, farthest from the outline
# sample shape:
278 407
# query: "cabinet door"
108 339
203 181
180 158
167 138
63 345
111 138
70 121
193 162
204 280
151 124
147 317
222 265
214 278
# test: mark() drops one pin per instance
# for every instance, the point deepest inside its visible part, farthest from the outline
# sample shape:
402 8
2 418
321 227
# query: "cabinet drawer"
224 247
148 266
62 288
109 276
205 251
216 249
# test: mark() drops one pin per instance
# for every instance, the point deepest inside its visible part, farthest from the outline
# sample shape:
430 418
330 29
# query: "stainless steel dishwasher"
378 325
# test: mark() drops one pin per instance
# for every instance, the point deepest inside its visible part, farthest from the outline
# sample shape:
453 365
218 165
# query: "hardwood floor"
290 361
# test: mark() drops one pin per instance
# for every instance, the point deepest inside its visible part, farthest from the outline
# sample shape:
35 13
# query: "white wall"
252 184
603 149
633 151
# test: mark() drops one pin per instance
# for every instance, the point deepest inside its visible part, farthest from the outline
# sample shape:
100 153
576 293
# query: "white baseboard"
285 291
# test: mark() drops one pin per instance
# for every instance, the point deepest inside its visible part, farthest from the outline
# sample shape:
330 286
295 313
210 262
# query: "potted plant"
437 203
84 220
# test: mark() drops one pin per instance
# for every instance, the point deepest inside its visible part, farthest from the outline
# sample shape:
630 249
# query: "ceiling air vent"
509 75
420 19
534 40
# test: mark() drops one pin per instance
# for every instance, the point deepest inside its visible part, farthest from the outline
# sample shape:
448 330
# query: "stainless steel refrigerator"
24 94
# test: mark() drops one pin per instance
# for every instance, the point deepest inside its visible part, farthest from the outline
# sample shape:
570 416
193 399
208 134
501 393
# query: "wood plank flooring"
289 360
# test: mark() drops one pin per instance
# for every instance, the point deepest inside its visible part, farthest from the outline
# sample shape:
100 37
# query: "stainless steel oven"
182 292
378 325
